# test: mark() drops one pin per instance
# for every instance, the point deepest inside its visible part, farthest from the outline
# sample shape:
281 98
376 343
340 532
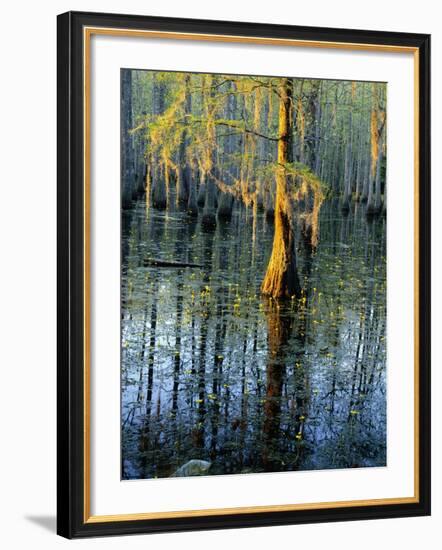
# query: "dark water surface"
211 370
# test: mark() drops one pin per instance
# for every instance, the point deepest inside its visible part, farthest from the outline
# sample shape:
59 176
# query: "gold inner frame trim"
87 34
246 39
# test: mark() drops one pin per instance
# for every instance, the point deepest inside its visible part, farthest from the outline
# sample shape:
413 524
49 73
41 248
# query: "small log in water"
151 262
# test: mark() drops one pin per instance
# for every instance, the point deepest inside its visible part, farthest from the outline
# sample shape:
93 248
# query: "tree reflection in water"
213 370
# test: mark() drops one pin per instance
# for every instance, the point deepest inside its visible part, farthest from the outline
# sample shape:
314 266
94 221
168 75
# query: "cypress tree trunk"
374 204
209 217
281 279
359 166
377 198
225 205
192 206
159 195
263 100
318 122
268 186
384 204
374 194
202 192
368 166
225 199
127 164
365 188
268 201
184 180
348 156
370 201
300 123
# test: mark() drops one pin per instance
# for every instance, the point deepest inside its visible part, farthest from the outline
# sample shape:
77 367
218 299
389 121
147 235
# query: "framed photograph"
243 274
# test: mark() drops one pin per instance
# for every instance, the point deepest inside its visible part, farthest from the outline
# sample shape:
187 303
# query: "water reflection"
211 370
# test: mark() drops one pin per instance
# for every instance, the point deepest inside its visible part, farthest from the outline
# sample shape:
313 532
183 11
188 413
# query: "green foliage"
233 124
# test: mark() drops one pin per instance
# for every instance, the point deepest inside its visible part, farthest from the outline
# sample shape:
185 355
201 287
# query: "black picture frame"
71 397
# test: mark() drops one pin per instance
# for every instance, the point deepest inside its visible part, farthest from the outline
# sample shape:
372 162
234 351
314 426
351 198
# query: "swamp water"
212 370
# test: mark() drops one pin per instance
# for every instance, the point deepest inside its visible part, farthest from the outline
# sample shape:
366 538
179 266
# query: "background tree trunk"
159 195
184 178
348 170
127 164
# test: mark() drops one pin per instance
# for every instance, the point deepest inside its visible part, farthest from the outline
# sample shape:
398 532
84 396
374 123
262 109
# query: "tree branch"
244 129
